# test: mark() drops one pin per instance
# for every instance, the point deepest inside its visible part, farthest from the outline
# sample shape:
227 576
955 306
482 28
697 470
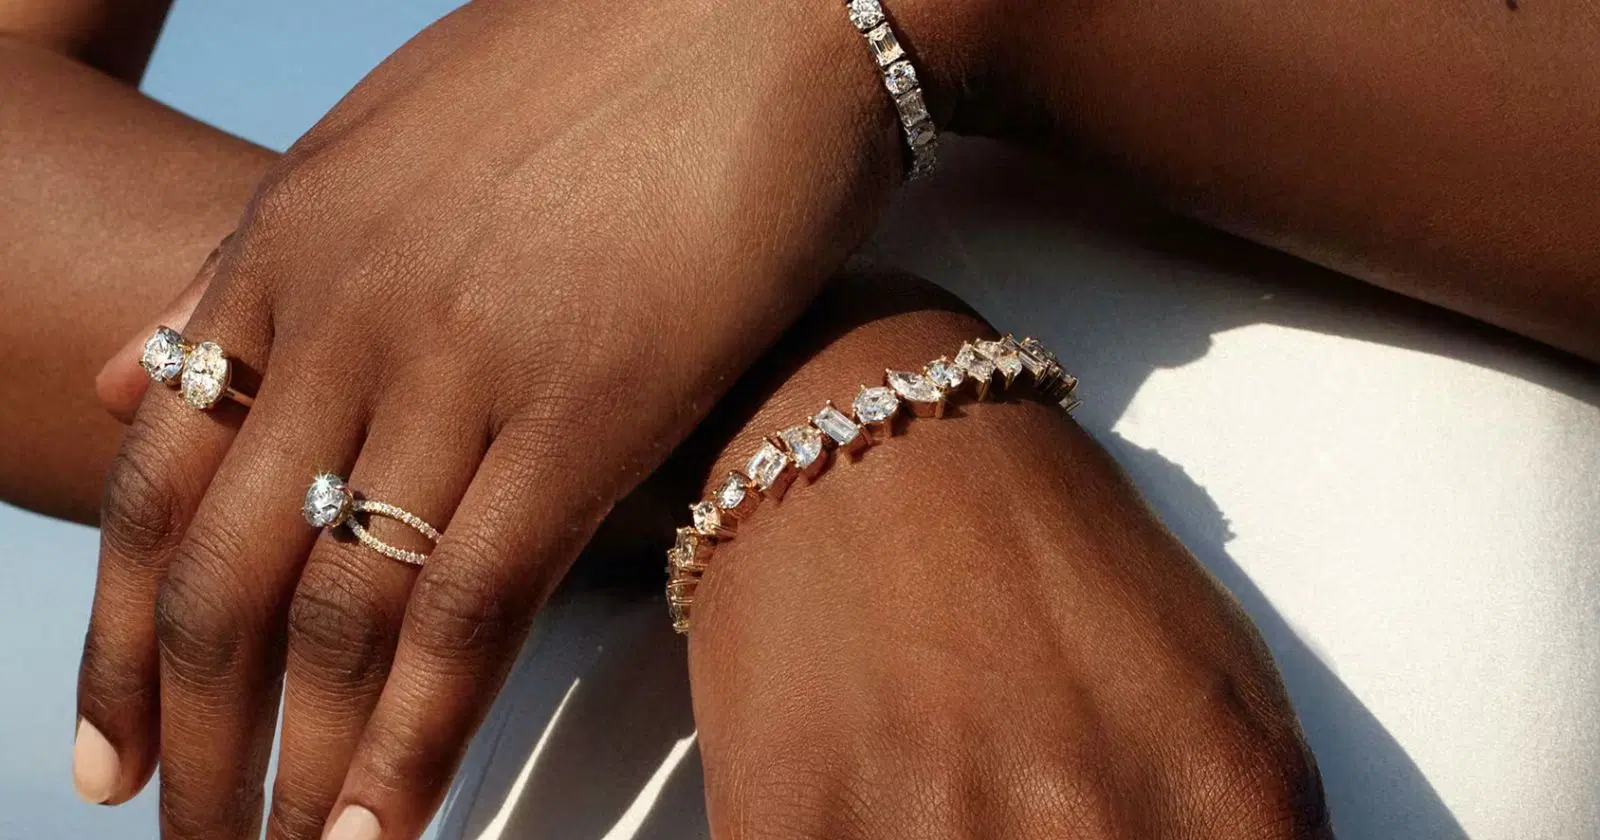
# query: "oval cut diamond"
327 502
875 405
205 375
163 355
707 518
804 442
732 493
913 386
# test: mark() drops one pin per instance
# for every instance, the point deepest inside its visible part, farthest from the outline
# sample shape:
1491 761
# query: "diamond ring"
202 372
330 503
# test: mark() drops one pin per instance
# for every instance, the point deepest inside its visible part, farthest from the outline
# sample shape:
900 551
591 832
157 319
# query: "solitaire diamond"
885 46
163 355
946 374
205 375
913 386
875 405
732 493
865 14
707 518
766 465
835 425
900 77
804 442
976 366
328 501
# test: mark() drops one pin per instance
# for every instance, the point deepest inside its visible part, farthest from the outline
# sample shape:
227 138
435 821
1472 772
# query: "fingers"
121 384
152 490
469 612
220 612
347 610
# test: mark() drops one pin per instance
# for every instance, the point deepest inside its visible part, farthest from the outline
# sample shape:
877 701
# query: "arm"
108 203
1445 151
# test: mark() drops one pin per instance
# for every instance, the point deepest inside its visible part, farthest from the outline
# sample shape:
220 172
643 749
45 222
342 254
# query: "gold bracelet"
805 449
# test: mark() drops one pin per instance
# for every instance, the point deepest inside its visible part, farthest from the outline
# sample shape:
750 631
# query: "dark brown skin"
1418 148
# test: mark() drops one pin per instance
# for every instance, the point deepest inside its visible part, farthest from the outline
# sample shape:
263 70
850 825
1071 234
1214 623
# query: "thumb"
121 384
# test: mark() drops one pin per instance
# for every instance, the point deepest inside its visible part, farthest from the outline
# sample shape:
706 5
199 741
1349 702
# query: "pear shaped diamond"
946 374
804 442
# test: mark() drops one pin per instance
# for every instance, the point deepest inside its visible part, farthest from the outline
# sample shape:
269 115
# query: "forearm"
1443 151
108 203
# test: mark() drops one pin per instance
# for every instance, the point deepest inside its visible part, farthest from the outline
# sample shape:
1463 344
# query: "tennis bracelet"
900 77
805 449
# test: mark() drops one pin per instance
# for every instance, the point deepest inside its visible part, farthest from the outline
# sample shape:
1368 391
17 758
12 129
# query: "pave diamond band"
874 415
900 79
330 503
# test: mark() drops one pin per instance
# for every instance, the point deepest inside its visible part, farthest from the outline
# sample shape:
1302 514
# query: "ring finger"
345 619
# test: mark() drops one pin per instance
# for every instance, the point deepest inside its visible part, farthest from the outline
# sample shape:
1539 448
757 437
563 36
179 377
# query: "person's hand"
495 287
979 630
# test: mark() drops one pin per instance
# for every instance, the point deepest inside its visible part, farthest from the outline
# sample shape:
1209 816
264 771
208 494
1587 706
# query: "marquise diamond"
875 405
163 355
804 442
913 386
205 375
328 501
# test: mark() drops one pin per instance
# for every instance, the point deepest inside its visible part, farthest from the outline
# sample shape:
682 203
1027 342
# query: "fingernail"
94 765
355 823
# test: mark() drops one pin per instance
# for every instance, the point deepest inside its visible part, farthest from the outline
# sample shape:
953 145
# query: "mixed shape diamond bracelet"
900 77
804 449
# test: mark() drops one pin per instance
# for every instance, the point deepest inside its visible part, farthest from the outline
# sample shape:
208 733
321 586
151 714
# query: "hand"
979 630
495 286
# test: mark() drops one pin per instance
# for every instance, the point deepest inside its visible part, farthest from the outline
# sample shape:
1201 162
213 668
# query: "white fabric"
1408 504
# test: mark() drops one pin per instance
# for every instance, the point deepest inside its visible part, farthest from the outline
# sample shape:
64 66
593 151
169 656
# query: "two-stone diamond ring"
202 373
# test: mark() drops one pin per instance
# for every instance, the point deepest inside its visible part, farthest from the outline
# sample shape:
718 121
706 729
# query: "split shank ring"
330 503
202 372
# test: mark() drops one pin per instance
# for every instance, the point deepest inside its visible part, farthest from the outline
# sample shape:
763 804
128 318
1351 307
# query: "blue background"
264 71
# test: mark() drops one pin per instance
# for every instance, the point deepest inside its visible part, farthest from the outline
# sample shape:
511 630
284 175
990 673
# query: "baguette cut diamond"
205 375
865 14
875 405
766 465
884 45
163 355
804 442
328 501
836 425
913 110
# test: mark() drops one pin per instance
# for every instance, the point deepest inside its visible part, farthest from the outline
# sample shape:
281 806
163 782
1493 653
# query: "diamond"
976 366
900 77
205 375
946 374
875 405
733 491
804 442
913 109
913 386
1005 359
766 465
884 45
921 134
865 14
1034 357
328 501
707 518
836 425
163 355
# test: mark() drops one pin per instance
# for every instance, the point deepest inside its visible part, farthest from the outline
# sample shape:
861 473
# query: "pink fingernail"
94 765
355 823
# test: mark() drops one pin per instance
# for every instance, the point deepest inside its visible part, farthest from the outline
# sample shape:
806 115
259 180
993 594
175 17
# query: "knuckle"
295 814
186 814
142 514
787 796
107 678
401 758
198 630
464 614
1263 783
339 628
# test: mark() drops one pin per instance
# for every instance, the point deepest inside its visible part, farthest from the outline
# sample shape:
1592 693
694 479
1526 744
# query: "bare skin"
1428 190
